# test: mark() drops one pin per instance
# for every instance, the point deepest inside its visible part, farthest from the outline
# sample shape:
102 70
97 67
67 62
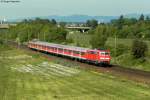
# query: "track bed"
132 74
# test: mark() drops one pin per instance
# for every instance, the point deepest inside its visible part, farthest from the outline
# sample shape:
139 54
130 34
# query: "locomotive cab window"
105 53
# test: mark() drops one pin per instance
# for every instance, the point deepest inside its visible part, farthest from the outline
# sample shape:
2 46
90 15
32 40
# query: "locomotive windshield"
105 53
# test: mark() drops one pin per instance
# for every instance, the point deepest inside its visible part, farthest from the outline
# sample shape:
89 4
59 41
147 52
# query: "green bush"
119 50
99 37
1 41
139 48
69 40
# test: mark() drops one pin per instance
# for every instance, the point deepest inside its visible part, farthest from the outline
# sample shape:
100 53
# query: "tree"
121 19
120 22
42 29
141 18
45 31
99 37
92 23
147 18
53 21
62 24
139 48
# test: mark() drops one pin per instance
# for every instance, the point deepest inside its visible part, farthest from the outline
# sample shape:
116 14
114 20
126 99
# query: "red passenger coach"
85 54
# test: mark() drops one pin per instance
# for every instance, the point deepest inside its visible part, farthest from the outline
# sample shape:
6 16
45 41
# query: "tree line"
48 30
42 29
131 28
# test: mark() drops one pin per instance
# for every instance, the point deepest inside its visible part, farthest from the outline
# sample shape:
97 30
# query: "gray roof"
61 46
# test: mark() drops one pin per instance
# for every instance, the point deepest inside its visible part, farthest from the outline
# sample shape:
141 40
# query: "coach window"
76 52
69 51
82 53
93 52
60 49
55 48
52 48
66 50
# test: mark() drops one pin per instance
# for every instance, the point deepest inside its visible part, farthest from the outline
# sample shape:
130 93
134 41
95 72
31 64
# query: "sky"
29 8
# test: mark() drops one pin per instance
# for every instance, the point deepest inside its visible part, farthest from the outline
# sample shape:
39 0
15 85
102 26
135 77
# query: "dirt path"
137 75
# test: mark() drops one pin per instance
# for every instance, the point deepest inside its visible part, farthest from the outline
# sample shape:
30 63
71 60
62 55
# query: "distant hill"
72 18
135 15
80 18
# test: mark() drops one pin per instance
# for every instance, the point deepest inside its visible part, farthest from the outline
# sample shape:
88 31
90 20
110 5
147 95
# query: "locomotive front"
104 57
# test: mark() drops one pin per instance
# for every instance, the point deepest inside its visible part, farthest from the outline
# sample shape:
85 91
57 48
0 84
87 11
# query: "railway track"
116 70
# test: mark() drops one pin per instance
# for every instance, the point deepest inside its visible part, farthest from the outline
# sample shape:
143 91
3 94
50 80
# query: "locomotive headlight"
108 58
102 58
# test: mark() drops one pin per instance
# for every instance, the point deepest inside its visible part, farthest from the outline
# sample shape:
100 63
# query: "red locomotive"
85 54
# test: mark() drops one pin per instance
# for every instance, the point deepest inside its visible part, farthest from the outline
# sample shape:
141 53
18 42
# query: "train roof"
60 46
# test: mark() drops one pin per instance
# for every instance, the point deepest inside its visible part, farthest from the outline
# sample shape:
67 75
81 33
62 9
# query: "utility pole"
6 36
1 22
115 48
38 36
28 35
44 36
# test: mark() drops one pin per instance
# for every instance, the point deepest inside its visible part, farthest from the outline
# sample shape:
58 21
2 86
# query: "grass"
128 61
126 42
126 58
26 76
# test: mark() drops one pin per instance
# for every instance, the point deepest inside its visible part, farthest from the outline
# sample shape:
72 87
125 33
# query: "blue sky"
28 8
